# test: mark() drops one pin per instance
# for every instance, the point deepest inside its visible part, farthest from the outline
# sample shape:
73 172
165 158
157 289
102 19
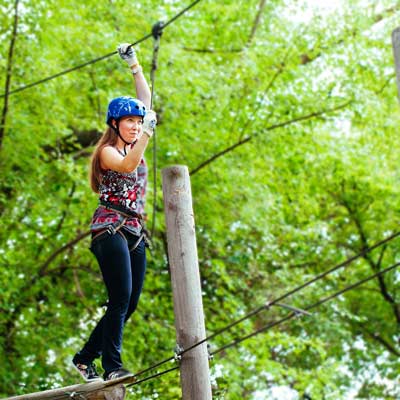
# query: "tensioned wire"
265 306
260 330
156 33
275 301
95 60
282 320
270 304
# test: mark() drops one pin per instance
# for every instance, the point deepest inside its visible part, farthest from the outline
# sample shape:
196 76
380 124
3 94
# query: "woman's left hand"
149 123
128 54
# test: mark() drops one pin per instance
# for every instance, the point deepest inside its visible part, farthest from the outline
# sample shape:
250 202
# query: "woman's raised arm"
128 54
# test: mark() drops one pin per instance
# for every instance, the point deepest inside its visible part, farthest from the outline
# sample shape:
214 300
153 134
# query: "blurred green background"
286 114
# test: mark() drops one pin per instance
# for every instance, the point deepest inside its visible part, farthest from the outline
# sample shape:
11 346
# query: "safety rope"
95 60
156 32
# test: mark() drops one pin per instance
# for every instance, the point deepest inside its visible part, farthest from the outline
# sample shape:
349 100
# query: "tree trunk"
9 71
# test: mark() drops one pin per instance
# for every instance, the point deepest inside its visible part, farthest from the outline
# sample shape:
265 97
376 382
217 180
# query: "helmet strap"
116 129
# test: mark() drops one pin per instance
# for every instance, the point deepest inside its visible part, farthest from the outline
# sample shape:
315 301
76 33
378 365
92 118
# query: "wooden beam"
98 390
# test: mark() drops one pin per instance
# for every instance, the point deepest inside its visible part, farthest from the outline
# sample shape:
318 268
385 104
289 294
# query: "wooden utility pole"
396 53
185 278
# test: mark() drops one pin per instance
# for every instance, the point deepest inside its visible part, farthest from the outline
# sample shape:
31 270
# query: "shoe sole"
85 379
120 378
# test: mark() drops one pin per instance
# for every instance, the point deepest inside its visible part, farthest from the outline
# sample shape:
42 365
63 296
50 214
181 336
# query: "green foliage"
301 119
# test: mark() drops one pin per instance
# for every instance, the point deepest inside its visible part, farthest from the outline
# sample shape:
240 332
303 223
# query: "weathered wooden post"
186 286
396 54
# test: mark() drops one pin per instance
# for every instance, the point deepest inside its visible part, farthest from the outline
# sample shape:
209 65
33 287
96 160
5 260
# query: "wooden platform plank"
96 390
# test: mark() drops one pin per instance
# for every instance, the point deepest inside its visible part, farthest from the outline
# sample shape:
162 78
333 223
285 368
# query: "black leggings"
123 274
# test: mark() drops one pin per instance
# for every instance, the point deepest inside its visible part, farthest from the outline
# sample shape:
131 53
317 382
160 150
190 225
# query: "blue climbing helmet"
124 106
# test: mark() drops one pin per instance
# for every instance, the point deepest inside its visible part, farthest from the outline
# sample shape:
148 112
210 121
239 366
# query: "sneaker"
119 373
88 372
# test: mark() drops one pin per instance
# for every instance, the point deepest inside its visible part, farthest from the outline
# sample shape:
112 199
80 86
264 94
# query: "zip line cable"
274 302
263 329
276 323
180 13
295 312
153 376
156 32
314 305
263 307
67 71
95 60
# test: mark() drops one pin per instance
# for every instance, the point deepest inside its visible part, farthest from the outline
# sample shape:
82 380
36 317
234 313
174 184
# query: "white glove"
149 123
128 54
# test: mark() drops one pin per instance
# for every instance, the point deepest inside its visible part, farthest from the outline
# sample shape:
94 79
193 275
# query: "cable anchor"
210 355
178 353
157 30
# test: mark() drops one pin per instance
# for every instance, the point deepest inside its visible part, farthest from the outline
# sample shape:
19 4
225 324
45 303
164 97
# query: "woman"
119 175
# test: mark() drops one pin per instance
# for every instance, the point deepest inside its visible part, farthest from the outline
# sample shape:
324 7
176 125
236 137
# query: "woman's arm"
142 88
112 159
128 54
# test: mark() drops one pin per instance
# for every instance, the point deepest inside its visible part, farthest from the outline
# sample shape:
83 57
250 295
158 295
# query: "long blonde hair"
109 138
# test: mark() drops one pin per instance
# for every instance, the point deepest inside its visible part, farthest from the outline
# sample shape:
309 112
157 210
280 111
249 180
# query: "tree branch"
76 143
373 335
375 266
69 245
270 128
388 346
62 268
306 59
256 22
219 154
308 116
212 51
9 71
278 72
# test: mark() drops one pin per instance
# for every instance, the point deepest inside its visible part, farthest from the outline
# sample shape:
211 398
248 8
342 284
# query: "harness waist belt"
123 211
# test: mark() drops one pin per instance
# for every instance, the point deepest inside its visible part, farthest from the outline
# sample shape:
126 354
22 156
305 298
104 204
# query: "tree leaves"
295 131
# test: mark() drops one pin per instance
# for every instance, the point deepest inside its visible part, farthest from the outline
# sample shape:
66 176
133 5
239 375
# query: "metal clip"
157 29
73 394
210 356
178 353
111 230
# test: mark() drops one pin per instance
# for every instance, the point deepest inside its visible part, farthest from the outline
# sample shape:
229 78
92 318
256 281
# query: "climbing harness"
114 228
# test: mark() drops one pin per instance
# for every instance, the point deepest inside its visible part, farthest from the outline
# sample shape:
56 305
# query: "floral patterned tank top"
127 192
